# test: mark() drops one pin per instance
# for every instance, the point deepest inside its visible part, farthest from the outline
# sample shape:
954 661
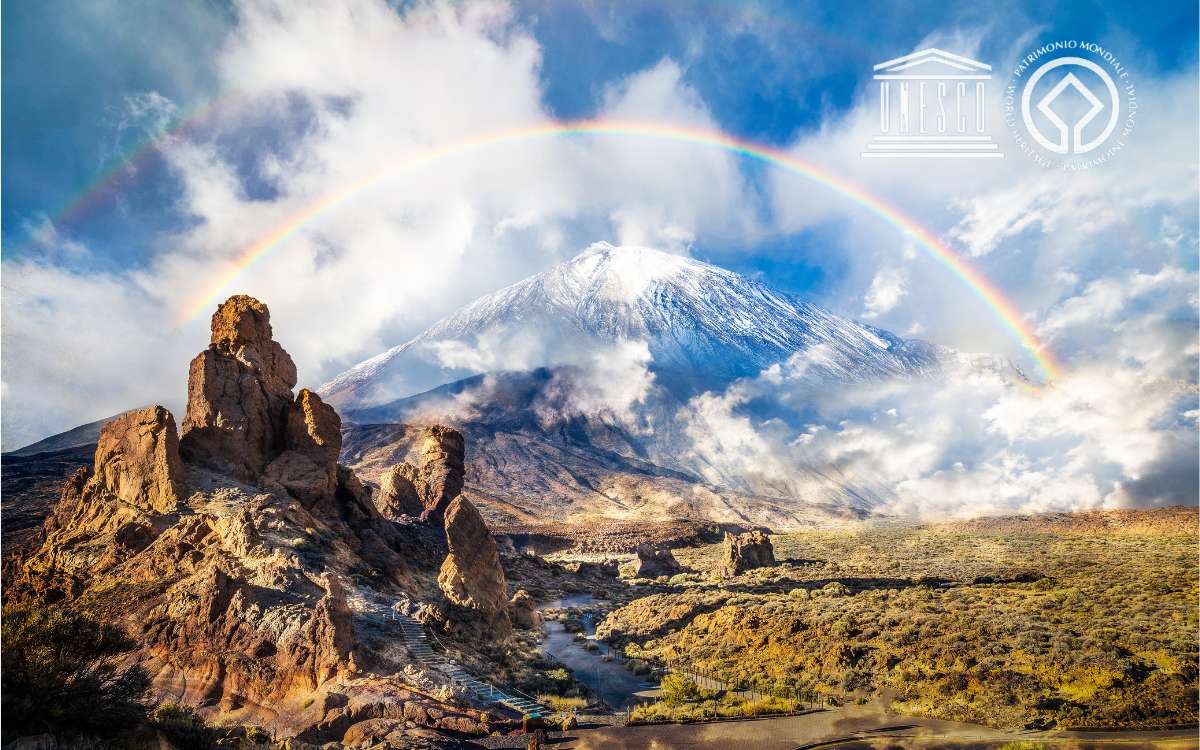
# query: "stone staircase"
417 641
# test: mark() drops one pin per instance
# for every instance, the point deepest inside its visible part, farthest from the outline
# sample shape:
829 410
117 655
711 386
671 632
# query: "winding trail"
417 640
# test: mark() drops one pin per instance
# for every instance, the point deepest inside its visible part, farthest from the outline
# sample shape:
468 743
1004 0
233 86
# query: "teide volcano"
702 325
575 387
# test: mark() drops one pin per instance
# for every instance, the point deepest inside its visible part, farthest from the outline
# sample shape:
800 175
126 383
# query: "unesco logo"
1071 105
933 104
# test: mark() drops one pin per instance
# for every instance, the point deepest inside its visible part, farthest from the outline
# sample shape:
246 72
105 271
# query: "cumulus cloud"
1117 430
348 89
378 242
887 289
613 384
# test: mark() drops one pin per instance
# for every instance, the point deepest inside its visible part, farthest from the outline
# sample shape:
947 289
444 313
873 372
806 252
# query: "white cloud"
887 289
1119 429
1098 262
357 86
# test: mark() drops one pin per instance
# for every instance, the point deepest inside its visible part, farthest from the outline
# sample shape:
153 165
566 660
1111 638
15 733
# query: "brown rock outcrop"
655 561
604 568
137 460
239 393
440 478
240 604
742 552
307 467
398 495
471 575
523 611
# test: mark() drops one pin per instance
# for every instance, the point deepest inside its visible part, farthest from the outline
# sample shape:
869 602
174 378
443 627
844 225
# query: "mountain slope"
533 459
631 383
702 325
77 437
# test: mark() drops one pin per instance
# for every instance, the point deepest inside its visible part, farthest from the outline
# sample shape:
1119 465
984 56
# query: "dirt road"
858 728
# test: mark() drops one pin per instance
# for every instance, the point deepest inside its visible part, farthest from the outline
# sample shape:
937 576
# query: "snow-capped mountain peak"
696 319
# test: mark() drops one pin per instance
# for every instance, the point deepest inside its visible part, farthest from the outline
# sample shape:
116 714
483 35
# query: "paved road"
858 728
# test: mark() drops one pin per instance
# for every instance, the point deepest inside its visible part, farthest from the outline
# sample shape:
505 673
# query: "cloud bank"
1103 262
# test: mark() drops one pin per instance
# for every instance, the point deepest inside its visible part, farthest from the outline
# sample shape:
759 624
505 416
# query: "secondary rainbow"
982 288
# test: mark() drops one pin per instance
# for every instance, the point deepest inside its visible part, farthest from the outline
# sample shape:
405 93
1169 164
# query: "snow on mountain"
703 325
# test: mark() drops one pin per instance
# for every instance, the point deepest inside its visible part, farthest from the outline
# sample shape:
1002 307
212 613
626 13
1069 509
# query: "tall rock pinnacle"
239 393
471 575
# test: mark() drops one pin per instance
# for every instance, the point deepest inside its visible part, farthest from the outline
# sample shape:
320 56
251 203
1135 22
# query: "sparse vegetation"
1011 630
677 690
562 702
183 727
709 705
63 674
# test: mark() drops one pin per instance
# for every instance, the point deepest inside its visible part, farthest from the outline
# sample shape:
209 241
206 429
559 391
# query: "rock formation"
742 552
428 490
655 561
239 393
307 467
240 556
523 611
471 575
398 495
440 478
603 568
137 460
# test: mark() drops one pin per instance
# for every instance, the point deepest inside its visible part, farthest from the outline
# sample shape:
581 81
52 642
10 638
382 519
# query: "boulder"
742 552
398 495
366 733
440 478
653 562
523 611
137 460
602 569
471 575
239 393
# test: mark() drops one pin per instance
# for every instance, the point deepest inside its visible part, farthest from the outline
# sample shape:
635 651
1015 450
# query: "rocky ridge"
255 571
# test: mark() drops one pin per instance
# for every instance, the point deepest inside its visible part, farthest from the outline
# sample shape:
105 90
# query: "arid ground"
1052 622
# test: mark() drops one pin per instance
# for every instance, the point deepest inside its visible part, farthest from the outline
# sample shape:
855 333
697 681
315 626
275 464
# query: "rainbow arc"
992 297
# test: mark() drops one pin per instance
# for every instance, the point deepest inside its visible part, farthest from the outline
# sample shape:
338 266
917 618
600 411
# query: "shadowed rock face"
440 478
307 467
471 575
426 491
137 460
523 611
398 495
742 552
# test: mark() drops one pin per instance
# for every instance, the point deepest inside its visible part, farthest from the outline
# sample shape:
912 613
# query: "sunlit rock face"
243 559
742 552
471 575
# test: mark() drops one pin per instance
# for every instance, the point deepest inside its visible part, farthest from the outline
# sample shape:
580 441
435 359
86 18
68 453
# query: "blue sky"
310 97
768 71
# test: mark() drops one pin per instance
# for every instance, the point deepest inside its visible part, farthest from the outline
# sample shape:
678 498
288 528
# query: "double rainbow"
982 288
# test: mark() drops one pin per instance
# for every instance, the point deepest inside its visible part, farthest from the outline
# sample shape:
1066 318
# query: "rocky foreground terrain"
256 575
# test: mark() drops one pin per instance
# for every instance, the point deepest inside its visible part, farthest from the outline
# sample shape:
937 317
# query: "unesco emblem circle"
1076 144
1071 104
